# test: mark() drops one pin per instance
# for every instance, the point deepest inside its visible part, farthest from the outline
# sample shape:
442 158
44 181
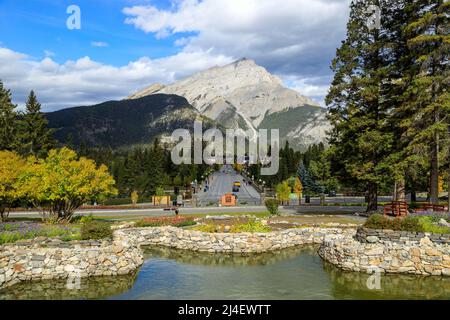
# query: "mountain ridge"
125 123
245 95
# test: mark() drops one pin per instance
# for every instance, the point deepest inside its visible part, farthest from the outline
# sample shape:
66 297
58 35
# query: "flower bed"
249 226
13 231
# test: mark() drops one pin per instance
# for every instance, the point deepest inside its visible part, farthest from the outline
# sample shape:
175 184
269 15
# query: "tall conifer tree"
9 121
37 139
360 139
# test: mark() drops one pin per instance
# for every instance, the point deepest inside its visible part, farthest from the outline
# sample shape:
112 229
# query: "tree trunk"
413 196
394 195
4 214
372 203
400 190
434 179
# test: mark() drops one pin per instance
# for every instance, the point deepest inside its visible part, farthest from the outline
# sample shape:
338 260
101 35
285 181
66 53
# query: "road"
221 183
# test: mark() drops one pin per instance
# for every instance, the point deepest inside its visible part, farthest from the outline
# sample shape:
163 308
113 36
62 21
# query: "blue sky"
36 26
125 45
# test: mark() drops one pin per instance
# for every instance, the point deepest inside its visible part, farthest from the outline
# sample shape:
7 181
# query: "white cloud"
86 82
315 88
291 38
294 39
99 44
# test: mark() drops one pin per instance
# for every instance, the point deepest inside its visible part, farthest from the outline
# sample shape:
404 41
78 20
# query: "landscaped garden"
83 229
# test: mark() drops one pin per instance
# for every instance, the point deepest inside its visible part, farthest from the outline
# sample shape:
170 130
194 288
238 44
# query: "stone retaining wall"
423 257
44 259
367 235
229 242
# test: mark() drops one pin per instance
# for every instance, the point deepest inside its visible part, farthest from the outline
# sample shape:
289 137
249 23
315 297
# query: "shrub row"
409 223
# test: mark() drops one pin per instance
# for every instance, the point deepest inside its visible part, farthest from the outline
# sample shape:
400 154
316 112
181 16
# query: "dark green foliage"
144 170
124 123
10 125
96 231
309 184
272 206
360 139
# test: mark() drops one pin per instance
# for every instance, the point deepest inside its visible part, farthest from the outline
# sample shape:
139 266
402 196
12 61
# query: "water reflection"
348 285
90 288
230 260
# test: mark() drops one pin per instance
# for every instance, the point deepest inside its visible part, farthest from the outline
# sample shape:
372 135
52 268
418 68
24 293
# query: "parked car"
332 193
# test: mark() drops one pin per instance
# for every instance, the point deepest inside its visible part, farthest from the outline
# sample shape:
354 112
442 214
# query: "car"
332 193
235 189
237 184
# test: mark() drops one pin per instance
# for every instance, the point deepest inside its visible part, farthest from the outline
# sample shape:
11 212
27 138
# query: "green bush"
211 228
436 217
83 219
272 206
96 231
251 226
410 223
428 224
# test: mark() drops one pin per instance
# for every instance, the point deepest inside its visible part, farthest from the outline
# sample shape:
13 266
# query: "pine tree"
427 99
9 121
154 168
359 138
307 180
399 59
37 139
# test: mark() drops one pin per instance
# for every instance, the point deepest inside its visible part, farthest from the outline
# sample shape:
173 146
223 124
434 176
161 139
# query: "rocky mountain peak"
242 95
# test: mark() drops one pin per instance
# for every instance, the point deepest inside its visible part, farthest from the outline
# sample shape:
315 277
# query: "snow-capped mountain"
245 95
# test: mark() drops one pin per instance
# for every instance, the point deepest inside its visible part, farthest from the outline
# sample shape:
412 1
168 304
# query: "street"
221 183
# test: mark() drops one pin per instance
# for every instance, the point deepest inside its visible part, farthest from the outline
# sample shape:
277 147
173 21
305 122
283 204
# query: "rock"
69 268
425 241
372 239
444 223
432 252
375 251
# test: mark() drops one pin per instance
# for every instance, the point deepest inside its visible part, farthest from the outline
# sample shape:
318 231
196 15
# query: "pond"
291 274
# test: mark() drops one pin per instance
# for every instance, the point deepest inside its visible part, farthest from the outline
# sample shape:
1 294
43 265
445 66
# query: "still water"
289 274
